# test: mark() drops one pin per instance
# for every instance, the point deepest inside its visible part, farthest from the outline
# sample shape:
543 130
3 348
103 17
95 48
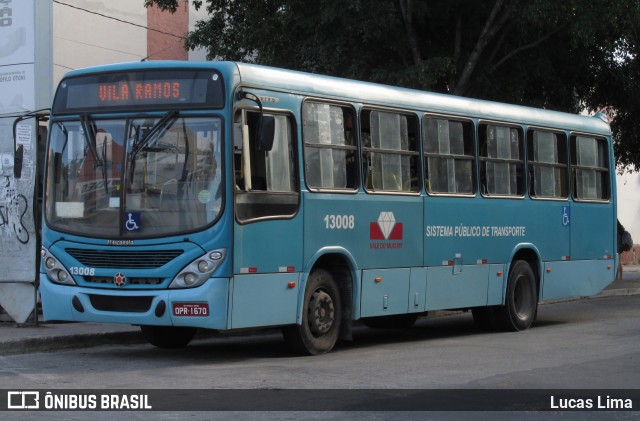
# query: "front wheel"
521 301
168 336
321 316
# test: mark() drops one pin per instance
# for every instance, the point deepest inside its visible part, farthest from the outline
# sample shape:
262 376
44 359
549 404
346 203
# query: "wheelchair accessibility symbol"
566 216
133 223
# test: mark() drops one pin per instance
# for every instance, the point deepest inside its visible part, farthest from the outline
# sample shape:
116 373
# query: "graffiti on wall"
13 211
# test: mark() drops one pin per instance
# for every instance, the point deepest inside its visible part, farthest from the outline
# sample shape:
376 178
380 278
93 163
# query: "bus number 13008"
339 222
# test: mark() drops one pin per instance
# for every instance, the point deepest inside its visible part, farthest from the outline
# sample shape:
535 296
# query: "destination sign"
140 91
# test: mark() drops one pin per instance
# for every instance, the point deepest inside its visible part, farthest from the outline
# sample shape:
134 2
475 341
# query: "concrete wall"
82 38
628 188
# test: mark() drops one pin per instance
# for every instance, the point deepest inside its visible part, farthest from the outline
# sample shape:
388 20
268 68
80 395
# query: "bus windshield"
134 178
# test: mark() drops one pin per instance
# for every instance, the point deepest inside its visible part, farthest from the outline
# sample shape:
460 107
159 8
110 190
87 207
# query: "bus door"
592 219
268 228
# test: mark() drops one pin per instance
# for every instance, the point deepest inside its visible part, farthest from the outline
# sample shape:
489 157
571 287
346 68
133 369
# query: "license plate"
191 309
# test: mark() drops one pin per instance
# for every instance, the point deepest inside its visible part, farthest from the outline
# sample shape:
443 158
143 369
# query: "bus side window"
590 168
266 182
390 151
449 156
547 156
329 146
501 160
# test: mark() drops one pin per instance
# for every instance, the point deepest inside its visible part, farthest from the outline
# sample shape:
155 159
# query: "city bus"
230 197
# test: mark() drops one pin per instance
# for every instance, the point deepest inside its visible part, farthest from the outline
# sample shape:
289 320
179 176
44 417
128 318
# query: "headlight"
198 271
190 279
50 262
203 266
55 271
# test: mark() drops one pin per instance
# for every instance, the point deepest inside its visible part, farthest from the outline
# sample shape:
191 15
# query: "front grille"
130 281
124 259
122 304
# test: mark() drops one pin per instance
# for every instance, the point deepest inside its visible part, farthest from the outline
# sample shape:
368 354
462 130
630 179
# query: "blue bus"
229 196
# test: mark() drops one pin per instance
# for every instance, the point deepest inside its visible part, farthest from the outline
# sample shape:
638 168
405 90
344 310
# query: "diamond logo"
385 228
386 222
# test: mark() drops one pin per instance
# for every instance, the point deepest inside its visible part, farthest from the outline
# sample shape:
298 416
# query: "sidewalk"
47 337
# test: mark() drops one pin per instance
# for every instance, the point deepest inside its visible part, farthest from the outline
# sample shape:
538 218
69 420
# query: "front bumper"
137 307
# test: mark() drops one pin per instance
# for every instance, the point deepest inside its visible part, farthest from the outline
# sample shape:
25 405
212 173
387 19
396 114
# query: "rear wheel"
521 301
321 316
168 336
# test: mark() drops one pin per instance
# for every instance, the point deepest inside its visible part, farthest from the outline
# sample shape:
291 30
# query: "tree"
569 56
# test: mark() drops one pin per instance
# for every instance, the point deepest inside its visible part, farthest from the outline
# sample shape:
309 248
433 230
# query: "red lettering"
176 89
125 92
157 90
148 91
138 91
102 94
114 93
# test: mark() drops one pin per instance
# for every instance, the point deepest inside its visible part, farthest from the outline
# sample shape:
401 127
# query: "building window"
329 146
390 151
501 163
449 155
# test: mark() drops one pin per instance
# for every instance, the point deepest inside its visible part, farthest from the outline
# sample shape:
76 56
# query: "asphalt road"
583 344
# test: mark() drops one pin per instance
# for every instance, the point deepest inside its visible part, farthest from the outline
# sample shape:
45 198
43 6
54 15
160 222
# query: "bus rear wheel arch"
321 316
521 302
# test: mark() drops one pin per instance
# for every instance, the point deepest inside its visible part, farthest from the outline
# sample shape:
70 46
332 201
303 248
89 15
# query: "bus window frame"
530 163
572 168
522 161
242 108
356 147
473 158
362 149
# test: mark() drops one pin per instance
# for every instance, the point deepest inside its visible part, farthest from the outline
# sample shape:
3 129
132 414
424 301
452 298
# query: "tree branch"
456 51
406 9
493 24
526 47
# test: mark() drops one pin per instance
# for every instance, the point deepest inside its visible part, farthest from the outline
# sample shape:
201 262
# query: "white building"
628 186
93 32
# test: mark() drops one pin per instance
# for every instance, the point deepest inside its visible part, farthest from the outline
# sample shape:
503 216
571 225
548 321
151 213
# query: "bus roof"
264 77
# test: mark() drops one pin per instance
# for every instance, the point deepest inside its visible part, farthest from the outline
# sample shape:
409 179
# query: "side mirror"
17 162
266 133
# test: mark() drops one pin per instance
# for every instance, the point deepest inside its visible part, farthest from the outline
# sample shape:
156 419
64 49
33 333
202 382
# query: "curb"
59 343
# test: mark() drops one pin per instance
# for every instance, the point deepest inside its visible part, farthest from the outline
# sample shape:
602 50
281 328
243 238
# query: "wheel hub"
321 313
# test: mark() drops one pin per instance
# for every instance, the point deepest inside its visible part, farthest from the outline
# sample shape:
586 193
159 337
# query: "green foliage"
564 55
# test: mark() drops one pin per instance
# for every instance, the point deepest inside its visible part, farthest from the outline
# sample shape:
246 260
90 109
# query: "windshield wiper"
90 138
139 144
161 125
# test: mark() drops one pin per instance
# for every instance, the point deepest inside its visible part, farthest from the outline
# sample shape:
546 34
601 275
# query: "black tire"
396 321
521 300
168 336
321 316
